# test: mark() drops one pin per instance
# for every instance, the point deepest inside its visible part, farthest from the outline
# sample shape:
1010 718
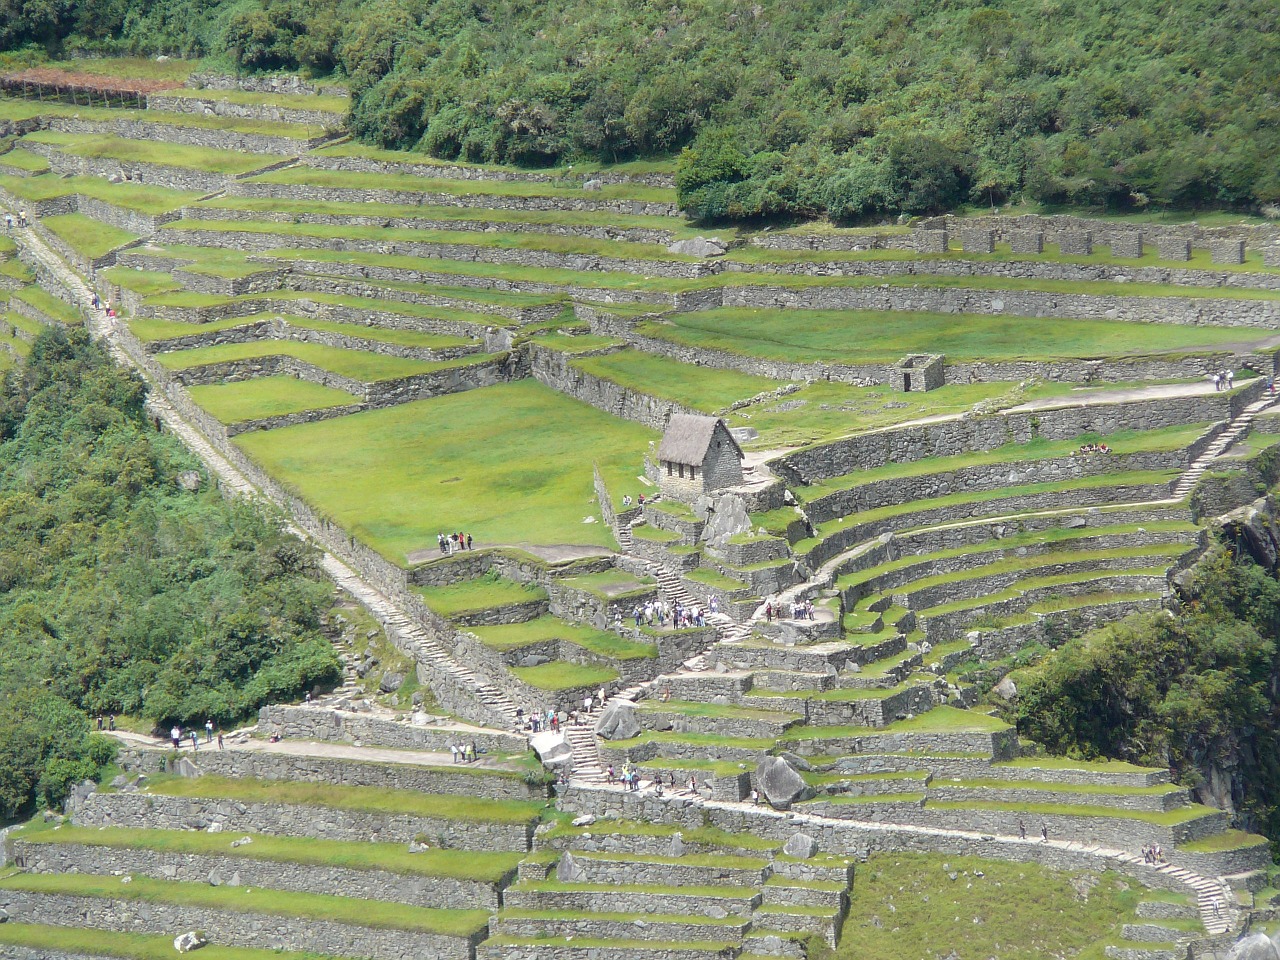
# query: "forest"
123 592
850 109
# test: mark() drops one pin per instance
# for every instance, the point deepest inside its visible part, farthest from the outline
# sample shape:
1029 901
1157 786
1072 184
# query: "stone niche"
1026 241
978 240
919 373
1227 251
931 241
1075 243
1126 245
1174 248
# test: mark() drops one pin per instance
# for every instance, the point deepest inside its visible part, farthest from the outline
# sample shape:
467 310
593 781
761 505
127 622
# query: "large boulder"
391 681
1256 946
780 783
800 845
726 518
698 247
186 942
552 748
618 721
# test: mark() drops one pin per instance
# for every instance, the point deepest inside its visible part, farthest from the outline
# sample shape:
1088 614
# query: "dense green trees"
1199 691
849 109
119 590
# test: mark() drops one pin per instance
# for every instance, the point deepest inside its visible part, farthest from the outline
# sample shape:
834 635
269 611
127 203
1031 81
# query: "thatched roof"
688 437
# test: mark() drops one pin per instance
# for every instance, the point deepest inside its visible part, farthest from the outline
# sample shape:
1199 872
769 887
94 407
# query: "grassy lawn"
702 388
148 199
328 103
395 858
484 593
268 397
132 68
347 797
57 941
379 914
401 338
145 151
87 237
561 675
866 336
146 283
356 364
23 160
580 343
937 720
632 168
187 298
510 464
1227 840
513 636
611 584
905 905
49 305
690 708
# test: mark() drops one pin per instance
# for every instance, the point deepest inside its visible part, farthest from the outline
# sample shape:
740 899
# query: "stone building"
919 372
697 455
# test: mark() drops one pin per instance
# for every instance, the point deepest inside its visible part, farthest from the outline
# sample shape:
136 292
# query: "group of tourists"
464 752
1224 380
179 737
1090 448
1153 854
451 543
783 610
630 778
8 220
662 613
553 718
111 722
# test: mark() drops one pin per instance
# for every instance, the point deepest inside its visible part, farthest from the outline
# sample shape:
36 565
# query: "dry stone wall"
245 871
235 928
211 106
1105 232
447 171
155 174
317 724
558 372
159 132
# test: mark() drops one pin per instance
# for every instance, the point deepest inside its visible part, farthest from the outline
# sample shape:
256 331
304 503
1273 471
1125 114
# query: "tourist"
600 697
219 739
208 731
1044 833
693 785
755 797
306 697
8 223
111 722
470 542
22 218
586 705
176 735
1022 830
99 723
453 749
768 611
195 739
1231 379
475 752
1217 381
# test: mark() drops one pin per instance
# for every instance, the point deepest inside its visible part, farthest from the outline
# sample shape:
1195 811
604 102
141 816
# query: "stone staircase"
1234 431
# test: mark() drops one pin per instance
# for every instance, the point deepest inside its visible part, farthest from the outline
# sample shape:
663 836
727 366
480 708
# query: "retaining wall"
323 724
159 132
246 111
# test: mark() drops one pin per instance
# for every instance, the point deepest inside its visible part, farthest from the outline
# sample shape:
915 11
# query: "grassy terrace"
501 241
484 593
1164 440
689 708
1222 842
938 720
1027 584
149 199
1162 818
49 305
707 836
709 390
87 237
25 109
328 103
127 946
550 218
574 343
512 188
503 463
604 643
1082 789
379 914
356 364
865 336
23 160
1131 478
1063 535
147 283
561 675
709 892
400 338
469 865
611 584
1070 763
152 330
346 797
352 148
268 397
107 147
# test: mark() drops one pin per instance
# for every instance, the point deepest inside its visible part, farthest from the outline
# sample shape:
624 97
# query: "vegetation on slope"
119 590
1195 691
797 107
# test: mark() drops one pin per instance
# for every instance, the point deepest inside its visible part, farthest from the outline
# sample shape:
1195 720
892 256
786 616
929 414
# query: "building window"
693 473
680 467
669 470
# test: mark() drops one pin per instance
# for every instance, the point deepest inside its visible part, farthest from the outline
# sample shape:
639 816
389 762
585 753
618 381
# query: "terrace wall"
323 724
448 171
235 871
236 140
150 811
175 178
1105 232
246 111
556 370
225 926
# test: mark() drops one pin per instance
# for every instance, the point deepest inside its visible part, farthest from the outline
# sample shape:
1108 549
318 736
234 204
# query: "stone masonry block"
1227 251
931 241
1026 241
1175 249
1126 245
1075 244
975 240
1271 255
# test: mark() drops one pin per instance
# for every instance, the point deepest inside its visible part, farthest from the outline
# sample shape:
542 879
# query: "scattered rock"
618 721
698 247
677 845
533 660
242 842
184 767
716 913
585 820
391 681
1256 946
214 827
800 845
593 185
797 761
119 781
568 870
186 942
1007 689
189 480
780 783
4 916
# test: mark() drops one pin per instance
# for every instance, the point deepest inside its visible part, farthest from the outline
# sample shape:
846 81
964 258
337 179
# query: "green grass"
132 68
1067 763
1027 584
23 160
272 299
352 148
702 388
561 675
726 711
937 720
346 797
379 914
49 305
1163 818
87 237
712 578
328 103
268 397
148 199
604 643
580 343
611 584
483 593
708 836
106 147
401 338
858 336
1095 789
1221 842
127 946
509 464
469 865
905 905
148 283
356 364
691 890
